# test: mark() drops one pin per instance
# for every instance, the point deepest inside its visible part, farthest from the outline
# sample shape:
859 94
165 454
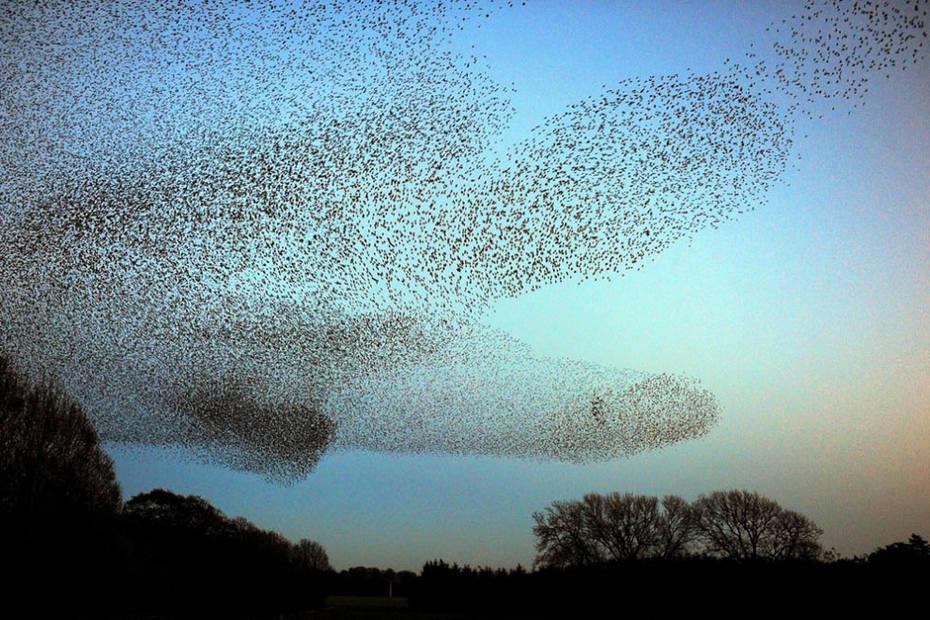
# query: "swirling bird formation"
261 230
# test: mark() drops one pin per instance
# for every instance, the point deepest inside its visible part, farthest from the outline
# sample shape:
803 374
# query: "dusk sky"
807 317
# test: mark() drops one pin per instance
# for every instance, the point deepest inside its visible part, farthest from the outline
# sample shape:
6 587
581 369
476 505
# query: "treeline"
162 553
70 544
187 555
370 581
892 577
638 554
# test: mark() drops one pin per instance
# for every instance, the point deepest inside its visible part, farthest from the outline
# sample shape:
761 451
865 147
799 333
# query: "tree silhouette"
166 509
50 456
920 546
796 537
677 527
619 528
188 554
562 538
59 500
626 527
311 555
744 525
613 527
916 551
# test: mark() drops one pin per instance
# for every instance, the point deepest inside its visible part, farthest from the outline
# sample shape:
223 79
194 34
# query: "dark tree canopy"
192 516
744 525
63 525
50 456
677 527
612 527
916 551
562 538
186 552
737 525
164 508
311 555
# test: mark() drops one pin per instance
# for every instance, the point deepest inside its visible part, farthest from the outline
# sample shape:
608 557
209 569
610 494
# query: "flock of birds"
259 231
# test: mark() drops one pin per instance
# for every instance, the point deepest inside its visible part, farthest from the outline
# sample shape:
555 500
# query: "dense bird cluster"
261 230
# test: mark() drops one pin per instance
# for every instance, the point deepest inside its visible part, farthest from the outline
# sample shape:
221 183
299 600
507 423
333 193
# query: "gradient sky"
808 318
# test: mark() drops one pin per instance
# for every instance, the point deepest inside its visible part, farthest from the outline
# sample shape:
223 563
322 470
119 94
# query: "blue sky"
808 317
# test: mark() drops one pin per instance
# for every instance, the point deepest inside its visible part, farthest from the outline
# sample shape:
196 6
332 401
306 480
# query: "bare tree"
796 537
311 554
626 526
732 524
677 527
562 538
744 525
612 527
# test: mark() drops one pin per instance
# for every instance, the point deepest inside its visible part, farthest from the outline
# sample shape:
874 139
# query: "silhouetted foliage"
311 555
59 499
488 591
370 581
64 527
166 509
744 525
188 554
165 553
677 528
624 526
738 525
50 456
648 587
612 527
915 552
796 537
562 538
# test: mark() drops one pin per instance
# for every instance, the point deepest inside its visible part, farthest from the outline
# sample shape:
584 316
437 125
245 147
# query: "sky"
808 317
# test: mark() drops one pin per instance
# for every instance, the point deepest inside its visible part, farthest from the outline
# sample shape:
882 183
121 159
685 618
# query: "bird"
261 232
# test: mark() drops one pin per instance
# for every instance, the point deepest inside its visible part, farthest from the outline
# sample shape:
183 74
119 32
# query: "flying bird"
259 232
